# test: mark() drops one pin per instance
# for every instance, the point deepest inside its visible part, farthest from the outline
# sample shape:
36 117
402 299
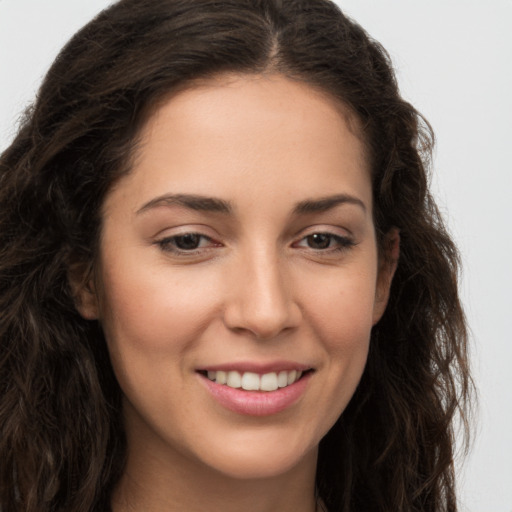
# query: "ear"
388 262
83 287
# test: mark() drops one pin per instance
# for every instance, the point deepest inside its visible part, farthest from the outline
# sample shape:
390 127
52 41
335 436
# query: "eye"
185 243
325 242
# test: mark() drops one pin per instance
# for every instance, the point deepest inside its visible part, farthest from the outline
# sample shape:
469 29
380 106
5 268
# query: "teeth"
282 379
220 377
234 380
268 382
250 381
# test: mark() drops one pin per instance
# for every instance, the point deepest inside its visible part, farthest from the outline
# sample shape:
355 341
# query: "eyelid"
343 238
167 242
327 229
341 242
180 229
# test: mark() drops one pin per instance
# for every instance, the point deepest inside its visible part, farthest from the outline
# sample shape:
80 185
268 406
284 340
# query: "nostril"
261 325
261 303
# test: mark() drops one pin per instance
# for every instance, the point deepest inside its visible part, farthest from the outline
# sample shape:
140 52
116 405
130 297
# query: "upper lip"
256 367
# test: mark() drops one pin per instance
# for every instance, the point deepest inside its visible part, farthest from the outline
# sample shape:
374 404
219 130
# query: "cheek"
152 322
148 315
341 314
344 326
342 307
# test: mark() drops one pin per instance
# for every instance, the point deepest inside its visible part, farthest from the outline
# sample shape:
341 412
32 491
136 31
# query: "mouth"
255 389
251 381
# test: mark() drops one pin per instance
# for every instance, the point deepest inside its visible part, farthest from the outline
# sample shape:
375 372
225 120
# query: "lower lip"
257 403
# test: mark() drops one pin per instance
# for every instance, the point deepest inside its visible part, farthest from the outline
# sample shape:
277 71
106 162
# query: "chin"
259 459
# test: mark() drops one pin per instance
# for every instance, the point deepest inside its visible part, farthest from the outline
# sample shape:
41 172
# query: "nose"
261 301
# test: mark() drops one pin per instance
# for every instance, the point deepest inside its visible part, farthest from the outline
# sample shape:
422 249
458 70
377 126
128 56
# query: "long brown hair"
62 445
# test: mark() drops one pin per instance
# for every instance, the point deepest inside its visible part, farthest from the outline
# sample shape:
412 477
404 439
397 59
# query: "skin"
258 287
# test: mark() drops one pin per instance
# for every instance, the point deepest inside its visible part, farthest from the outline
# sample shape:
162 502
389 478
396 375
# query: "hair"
62 445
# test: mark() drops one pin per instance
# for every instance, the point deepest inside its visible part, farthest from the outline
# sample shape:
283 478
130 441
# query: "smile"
259 392
250 381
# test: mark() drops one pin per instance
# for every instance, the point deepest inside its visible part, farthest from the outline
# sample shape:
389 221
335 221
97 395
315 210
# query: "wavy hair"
62 445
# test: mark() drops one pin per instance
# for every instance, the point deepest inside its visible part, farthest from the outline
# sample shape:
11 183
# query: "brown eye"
326 242
187 242
319 240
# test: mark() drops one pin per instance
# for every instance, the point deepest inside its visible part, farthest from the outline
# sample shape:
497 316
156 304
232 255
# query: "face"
238 278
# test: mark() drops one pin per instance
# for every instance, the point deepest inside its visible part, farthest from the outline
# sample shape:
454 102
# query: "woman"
224 281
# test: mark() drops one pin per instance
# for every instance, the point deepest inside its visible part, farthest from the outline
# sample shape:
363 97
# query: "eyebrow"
193 202
215 205
324 204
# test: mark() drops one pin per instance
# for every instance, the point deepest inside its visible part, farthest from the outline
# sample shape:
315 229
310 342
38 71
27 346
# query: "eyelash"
170 244
342 243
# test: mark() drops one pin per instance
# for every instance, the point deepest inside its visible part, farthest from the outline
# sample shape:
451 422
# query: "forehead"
233 93
254 133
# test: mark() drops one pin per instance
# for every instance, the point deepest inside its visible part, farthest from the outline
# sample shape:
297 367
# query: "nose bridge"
263 301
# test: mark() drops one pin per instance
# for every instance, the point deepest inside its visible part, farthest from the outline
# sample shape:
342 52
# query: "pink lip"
260 368
256 403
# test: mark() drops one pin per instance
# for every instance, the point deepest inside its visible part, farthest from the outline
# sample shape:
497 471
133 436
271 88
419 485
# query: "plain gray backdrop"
454 63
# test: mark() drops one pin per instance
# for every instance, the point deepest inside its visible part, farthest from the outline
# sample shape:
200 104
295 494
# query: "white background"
454 62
